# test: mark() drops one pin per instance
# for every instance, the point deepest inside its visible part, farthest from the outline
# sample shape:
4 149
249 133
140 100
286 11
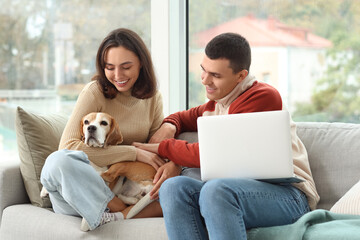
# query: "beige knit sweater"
138 120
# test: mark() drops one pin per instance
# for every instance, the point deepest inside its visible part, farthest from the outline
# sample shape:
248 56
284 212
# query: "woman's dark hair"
233 47
146 85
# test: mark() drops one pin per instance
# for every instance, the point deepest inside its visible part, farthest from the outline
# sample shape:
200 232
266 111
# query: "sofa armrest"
12 189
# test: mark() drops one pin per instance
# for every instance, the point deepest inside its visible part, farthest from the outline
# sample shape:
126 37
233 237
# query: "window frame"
169 50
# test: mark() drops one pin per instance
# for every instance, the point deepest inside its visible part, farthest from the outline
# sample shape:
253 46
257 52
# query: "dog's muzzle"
91 129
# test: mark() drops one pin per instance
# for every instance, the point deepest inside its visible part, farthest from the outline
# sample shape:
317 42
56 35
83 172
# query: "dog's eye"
104 123
86 122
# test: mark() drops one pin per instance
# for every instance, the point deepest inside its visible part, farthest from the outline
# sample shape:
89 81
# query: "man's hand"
166 171
150 158
166 131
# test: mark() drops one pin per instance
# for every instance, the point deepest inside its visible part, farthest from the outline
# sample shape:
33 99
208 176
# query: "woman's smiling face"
122 68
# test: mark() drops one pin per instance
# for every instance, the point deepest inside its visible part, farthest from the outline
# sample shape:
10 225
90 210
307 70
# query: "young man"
225 208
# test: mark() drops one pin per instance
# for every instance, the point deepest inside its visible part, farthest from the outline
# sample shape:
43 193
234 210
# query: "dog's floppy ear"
114 136
82 134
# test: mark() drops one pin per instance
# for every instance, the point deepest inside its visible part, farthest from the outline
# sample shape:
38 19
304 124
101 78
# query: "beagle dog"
100 130
130 181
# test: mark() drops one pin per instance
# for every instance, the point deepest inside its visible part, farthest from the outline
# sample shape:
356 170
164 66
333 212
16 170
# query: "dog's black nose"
91 128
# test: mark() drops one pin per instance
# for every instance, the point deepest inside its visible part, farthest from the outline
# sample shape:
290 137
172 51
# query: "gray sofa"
334 154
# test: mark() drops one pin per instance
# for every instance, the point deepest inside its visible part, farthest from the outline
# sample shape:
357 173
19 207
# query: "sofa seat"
333 150
32 222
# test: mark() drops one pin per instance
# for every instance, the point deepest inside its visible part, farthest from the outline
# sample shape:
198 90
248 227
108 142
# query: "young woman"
124 87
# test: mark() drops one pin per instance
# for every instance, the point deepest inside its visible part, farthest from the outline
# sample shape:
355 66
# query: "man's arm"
260 97
186 121
180 152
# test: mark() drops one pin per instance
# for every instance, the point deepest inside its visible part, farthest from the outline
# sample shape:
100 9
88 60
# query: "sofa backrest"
334 156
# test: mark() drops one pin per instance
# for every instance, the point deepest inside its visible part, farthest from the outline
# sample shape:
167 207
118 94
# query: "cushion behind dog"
37 137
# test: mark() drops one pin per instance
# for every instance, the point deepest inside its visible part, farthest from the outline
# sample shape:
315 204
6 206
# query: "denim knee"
62 161
213 192
168 193
178 190
167 187
171 187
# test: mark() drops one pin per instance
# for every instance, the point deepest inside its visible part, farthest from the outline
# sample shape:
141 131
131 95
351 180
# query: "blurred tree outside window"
48 50
308 49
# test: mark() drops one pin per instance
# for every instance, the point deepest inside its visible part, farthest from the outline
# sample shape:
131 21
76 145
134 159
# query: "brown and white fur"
130 181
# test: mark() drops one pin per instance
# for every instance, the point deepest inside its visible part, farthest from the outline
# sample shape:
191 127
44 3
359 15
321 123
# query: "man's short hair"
231 46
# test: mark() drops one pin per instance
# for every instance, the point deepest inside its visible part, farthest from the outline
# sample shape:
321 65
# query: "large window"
47 52
308 49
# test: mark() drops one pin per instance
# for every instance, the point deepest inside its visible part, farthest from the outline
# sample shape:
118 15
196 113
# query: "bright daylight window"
48 49
308 49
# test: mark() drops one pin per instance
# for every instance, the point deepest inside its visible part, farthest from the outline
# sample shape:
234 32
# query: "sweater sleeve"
91 99
185 121
180 152
158 116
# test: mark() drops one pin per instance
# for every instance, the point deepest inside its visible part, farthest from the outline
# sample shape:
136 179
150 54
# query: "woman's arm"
158 117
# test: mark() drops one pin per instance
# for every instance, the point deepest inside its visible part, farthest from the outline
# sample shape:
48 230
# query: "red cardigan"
259 97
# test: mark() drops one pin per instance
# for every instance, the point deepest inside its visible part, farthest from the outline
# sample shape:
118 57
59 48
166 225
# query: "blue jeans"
225 208
74 187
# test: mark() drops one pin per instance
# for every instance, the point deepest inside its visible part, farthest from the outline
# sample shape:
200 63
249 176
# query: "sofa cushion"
37 137
190 137
26 221
334 154
350 202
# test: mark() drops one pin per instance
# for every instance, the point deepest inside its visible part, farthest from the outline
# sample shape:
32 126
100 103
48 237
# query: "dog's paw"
44 193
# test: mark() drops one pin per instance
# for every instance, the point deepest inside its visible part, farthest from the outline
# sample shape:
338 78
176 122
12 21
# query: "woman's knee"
62 161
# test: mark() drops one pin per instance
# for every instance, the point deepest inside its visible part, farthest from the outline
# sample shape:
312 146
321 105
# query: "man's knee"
217 192
171 186
211 191
177 190
168 193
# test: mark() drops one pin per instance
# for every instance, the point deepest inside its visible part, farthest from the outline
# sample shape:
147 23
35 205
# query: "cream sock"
119 216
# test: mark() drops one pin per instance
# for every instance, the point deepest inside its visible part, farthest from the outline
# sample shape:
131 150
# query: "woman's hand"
166 171
150 158
150 147
166 131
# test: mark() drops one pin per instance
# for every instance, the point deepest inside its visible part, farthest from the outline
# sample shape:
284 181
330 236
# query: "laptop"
246 145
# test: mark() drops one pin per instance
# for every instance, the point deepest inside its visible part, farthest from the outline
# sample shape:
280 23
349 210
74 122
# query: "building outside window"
308 50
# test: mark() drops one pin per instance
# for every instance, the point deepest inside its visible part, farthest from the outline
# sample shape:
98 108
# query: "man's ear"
242 75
